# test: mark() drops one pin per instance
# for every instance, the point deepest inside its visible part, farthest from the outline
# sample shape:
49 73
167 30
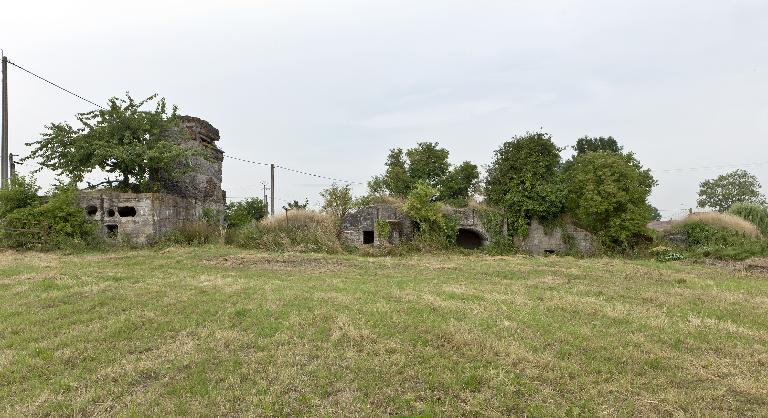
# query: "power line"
318 175
55 85
294 170
244 160
678 170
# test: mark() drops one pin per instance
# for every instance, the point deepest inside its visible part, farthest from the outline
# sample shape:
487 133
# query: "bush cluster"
718 235
29 222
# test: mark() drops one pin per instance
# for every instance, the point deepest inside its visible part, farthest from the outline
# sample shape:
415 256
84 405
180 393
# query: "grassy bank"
222 331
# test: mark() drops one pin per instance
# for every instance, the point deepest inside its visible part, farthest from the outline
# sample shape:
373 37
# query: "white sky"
330 86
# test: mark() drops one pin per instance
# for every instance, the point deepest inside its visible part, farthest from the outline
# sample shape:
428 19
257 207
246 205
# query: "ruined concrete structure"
139 217
569 238
359 228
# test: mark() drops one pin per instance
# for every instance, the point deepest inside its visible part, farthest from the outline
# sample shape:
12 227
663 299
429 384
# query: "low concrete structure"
559 240
359 228
138 217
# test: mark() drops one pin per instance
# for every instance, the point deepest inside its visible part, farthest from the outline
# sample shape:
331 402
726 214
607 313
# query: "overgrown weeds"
299 230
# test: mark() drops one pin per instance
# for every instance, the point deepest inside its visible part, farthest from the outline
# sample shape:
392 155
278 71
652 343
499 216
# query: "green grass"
222 331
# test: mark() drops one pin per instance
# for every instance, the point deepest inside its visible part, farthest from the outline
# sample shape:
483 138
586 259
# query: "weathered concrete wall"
539 242
472 232
354 225
203 182
138 217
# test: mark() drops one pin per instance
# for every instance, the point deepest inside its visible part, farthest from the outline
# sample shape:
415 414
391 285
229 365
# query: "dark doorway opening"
128 211
91 210
111 230
469 239
367 237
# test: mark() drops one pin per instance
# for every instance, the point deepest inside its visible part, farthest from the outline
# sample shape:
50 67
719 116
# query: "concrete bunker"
140 217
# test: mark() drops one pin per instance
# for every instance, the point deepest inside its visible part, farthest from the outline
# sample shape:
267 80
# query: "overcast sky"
329 86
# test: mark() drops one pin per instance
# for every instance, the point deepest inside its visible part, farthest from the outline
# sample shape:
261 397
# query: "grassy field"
221 331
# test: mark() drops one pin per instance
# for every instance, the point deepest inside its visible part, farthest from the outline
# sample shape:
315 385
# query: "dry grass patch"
723 220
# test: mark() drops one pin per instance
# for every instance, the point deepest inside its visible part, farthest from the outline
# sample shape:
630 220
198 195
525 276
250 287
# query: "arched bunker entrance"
469 238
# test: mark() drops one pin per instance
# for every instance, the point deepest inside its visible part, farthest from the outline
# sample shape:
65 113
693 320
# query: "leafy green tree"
597 144
722 192
121 139
426 162
21 193
337 200
524 179
459 184
607 194
245 212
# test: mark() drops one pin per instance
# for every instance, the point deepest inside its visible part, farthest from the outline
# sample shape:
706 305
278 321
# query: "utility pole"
12 166
272 189
4 145
264 185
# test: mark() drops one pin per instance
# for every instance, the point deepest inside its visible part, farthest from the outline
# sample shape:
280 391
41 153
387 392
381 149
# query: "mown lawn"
221 331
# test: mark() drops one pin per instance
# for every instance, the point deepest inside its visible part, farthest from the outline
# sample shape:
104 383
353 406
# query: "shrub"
724 236
58 223
21 193
435 229
302 230
756 214
245 212
607 193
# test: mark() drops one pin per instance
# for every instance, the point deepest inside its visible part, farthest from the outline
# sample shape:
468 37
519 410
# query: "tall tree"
738 186
607 193
120 139
524 179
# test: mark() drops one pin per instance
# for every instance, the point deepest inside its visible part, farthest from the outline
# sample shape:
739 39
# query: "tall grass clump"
721 235
301 231
756 214
723 220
